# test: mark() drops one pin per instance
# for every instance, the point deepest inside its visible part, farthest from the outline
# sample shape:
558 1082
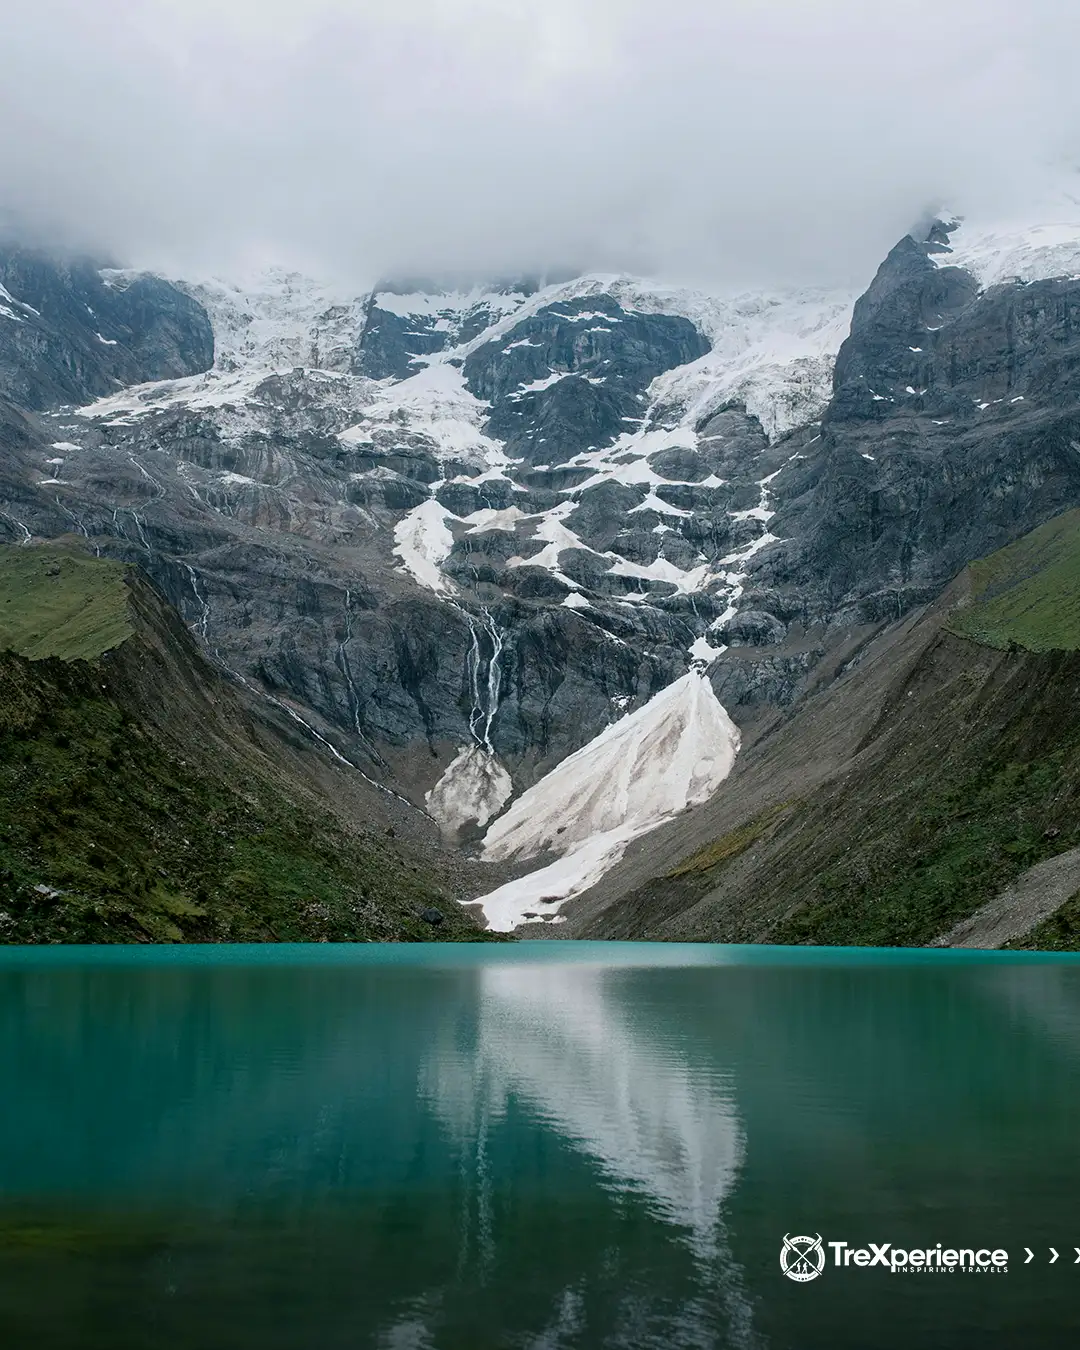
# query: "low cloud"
713 141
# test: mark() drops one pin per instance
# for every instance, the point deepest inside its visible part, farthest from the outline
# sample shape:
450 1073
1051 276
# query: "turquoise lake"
540 1145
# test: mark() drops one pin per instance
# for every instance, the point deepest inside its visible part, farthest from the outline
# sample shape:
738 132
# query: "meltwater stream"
542 1145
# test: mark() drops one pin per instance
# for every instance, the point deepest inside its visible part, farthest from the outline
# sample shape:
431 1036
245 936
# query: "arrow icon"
1031 1254
1055 1255
1077 1251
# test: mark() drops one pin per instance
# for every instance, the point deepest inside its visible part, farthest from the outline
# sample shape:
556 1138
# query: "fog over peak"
707 141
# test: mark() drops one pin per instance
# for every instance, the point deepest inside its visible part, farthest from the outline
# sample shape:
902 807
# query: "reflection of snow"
557 1036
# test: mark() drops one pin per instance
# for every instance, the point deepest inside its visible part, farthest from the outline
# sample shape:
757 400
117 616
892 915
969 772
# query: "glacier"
671 753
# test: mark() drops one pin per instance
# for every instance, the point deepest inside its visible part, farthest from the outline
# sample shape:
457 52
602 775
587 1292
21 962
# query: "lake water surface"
537 1145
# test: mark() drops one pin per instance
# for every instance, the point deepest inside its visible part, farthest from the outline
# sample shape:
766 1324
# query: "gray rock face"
276 548
952 430
551 425
389 345
595 362
392 343
68 335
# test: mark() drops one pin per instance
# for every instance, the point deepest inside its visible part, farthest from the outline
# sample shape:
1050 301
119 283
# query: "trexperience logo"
803 1258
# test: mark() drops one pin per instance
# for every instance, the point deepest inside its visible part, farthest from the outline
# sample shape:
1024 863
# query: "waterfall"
494 676
485 686
202 623
475 787
27 536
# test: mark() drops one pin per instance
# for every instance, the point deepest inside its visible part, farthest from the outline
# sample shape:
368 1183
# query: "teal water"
539 1146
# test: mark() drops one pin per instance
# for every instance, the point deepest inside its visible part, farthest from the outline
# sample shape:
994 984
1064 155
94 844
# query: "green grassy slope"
943 817
974 808
138 802
61 602
1029 593
972 782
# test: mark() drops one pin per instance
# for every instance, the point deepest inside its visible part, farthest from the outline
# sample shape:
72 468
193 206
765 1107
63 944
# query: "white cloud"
699 138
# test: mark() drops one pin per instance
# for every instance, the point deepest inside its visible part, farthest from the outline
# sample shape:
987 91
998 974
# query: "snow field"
671 753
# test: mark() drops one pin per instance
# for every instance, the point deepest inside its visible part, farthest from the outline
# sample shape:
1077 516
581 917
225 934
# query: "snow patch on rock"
772 351
423 540
671 753
434 403
473 789
441 304
273 319
1041 242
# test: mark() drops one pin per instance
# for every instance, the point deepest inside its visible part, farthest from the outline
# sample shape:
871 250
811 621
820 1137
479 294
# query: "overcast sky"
716 141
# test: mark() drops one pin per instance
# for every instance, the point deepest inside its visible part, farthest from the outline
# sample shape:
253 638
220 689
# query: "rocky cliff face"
463 532
70 332
952 429
928 795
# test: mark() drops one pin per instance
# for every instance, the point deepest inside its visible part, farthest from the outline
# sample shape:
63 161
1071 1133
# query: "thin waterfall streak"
494 678
475 662
484 690
290 712
72 516
202 623
27 536
142 534
354 698
472 662
158 489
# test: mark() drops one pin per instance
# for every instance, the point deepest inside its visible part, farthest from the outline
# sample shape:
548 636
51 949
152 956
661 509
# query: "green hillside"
1029 593
61 602
998 795
141 799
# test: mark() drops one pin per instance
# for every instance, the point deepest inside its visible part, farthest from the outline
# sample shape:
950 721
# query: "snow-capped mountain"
531 549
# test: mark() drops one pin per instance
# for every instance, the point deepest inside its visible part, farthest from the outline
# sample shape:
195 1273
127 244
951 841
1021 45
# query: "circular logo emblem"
802 1258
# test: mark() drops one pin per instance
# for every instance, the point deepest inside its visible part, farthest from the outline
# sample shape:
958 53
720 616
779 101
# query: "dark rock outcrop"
68 334
594 361
952 429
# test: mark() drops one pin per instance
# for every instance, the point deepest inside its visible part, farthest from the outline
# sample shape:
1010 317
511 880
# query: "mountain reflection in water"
542 1146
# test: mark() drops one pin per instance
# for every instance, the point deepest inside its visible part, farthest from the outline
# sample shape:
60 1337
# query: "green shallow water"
533 1145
